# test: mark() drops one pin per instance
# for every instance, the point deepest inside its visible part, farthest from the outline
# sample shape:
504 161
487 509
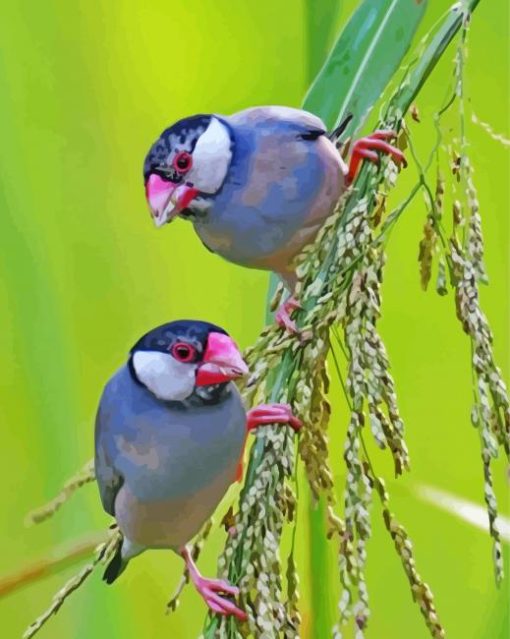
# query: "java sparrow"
169 439
257 185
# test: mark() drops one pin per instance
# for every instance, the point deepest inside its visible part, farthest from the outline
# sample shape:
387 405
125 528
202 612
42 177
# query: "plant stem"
42 568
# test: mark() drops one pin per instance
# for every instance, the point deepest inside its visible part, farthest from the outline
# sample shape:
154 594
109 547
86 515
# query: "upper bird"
170 434
257 184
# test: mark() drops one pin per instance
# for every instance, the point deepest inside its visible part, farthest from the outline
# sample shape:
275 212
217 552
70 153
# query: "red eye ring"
183 352
182 162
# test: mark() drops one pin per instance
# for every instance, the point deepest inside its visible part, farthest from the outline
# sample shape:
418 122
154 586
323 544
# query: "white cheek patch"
211 158
164 376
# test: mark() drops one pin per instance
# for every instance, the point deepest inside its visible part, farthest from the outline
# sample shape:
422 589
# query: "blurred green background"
86 87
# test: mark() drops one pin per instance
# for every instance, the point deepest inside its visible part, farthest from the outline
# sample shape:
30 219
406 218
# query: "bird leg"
365 148
282 315
213 590
272 414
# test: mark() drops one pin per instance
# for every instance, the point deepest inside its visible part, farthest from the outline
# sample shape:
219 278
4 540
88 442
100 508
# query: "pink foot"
213 590
283 315
365 148
272 414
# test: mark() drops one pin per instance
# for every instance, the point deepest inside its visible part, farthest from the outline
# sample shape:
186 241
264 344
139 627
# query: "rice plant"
340 291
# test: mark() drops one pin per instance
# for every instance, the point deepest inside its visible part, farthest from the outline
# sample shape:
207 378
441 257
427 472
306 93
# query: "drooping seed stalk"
463 252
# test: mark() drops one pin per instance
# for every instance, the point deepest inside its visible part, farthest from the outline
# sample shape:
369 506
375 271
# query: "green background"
86 87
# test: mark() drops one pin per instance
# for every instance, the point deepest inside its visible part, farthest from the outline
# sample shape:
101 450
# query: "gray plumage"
284 180
162 467
170 433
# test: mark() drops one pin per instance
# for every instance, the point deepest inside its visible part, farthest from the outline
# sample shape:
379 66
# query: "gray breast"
164 451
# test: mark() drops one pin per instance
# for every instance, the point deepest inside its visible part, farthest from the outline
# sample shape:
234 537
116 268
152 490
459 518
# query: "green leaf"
320 18
363 60
433 52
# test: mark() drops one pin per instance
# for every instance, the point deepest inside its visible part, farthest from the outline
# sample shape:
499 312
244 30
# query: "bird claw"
282 315
365 148
216 585
212 590
272 414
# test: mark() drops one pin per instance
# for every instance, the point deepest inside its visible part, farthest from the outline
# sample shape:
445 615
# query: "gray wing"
108 478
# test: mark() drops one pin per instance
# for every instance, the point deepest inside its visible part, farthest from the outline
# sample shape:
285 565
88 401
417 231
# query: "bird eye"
183 352
312 134
182 162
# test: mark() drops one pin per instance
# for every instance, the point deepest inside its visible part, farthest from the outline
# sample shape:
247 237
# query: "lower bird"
257 184
169 439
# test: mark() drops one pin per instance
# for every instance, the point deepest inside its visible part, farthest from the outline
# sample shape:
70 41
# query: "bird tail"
116 566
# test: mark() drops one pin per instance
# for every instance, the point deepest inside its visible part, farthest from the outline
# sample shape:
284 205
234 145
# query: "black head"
164 338
175 358
163 156
189 161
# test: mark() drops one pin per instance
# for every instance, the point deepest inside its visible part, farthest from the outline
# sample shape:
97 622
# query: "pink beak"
222 361
167 199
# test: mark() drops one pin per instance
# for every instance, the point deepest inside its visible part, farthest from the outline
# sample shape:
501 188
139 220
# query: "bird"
170 434
257 185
